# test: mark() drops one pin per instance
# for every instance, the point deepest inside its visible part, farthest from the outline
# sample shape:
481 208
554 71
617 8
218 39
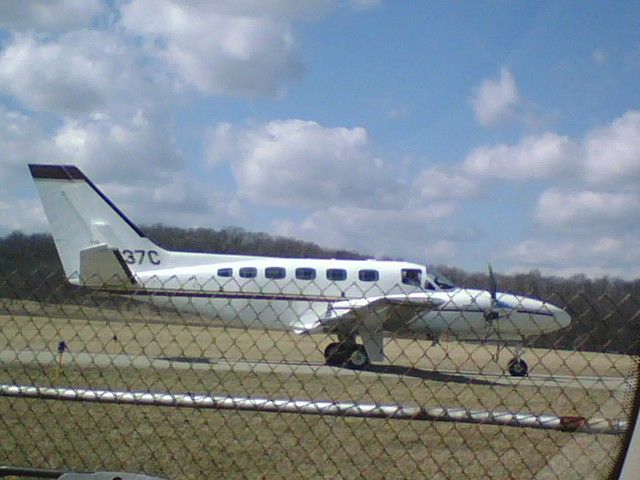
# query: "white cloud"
592 188
51 15
137 164
601 255
222 144
110 87
439 183
594 210
534 157
135 150
150 54
80 72
297 163
367 230
494 101
612 153
179 199
606 155
216 51
21 141
134 159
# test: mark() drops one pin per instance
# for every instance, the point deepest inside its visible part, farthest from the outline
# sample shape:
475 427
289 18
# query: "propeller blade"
491 314
492 284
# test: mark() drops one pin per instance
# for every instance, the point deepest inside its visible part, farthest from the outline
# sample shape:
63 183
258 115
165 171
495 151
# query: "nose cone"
563 319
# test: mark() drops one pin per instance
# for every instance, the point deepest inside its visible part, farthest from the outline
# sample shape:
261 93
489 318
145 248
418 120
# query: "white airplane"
100 248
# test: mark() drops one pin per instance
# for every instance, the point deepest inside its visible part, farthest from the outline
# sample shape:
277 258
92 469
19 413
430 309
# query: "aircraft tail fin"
82 217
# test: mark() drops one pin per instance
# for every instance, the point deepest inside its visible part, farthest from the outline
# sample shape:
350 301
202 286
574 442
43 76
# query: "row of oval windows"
278 273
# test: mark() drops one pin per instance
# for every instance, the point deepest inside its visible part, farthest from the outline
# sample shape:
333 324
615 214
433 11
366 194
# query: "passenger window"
411 276
306 273
225 272
336 274
368 275
248 272
275 273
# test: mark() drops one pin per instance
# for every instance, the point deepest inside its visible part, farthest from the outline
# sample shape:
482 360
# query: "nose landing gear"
517 366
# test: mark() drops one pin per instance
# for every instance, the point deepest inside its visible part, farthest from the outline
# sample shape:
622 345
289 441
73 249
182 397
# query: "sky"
455 133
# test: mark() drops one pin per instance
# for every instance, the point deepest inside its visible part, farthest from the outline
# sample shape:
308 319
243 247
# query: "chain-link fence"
93 380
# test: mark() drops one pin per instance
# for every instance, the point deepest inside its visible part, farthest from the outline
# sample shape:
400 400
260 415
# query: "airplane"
101 249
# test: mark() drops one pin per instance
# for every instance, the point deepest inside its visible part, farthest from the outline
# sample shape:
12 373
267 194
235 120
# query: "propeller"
492 314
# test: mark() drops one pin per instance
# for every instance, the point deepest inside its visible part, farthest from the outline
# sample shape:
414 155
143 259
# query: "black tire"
361 353
335 354
518 368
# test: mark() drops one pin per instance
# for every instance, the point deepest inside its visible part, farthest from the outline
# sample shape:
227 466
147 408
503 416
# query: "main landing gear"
346 354
517 366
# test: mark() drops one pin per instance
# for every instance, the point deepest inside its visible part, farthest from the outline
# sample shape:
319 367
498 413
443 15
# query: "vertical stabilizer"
81 216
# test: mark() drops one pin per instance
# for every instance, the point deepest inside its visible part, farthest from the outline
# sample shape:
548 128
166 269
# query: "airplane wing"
369 317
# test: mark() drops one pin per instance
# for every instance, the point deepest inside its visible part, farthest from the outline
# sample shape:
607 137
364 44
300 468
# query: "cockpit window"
412 277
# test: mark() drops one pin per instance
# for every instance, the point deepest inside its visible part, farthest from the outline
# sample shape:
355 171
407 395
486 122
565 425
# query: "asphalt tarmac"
104 360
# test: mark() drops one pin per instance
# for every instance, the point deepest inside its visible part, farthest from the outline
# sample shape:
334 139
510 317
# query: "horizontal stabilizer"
102 266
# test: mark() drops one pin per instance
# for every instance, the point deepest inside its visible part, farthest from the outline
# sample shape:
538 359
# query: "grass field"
187 443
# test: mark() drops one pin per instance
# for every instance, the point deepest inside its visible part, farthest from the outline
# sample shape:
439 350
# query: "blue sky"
441 132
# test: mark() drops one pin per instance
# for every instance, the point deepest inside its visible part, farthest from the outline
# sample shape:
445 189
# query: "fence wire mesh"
162 386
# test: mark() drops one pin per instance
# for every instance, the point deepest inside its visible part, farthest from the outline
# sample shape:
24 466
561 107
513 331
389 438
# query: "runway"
104 360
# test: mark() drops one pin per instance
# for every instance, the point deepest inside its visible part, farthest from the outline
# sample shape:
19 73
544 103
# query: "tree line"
605 311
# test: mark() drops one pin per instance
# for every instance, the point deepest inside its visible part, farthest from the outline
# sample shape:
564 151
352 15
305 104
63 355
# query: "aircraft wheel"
518 367
359 358
335 354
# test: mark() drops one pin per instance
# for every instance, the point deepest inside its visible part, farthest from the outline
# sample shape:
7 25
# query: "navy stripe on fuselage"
225 295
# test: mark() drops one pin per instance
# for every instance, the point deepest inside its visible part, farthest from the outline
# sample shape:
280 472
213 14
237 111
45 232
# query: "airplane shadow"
427 374
386 369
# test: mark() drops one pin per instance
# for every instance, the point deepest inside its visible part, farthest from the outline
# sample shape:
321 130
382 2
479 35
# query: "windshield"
436 280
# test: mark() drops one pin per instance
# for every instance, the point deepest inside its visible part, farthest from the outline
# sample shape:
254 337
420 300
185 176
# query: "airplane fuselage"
275 293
